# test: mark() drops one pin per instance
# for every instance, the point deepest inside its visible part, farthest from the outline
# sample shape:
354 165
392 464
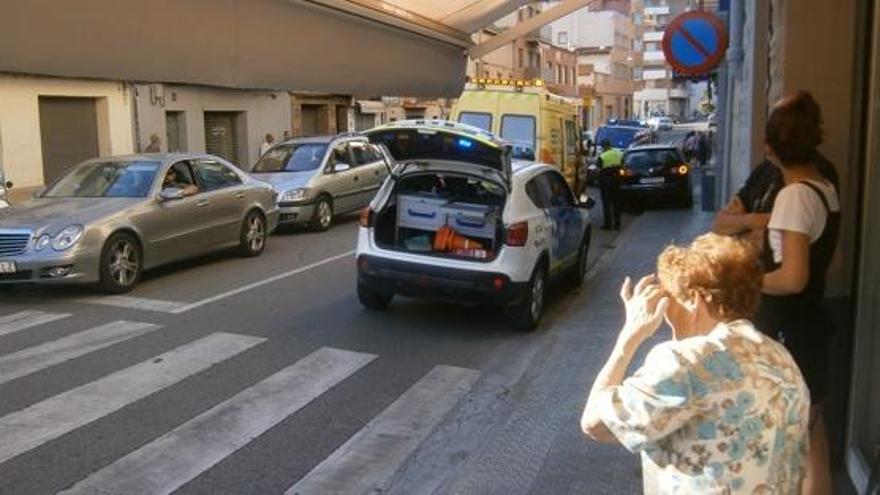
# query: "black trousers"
609 185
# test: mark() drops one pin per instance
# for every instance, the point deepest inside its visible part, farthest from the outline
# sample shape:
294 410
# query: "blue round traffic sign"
694 43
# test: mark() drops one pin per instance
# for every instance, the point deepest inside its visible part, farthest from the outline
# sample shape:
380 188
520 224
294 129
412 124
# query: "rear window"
477 119
519 131
424 144
643 160
620 137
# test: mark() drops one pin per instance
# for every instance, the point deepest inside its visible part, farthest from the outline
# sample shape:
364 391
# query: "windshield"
291 158
620 137
643 160
519 131
106 180
477 119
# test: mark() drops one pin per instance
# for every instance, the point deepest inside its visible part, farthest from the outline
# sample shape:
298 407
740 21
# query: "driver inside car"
172 180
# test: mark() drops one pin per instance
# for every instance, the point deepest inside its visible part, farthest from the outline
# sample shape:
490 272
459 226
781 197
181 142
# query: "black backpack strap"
821 194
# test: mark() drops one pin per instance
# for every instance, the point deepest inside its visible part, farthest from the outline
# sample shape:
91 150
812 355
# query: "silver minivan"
319 177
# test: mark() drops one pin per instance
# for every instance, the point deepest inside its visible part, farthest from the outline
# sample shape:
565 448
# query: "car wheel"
579 270
322 218
252 240
526 315
121 263
373 299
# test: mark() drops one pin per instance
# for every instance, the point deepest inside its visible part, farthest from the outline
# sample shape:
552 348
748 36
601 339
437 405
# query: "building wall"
21 152
262 112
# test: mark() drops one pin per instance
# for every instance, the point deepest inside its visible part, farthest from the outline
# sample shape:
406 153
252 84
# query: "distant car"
107 220
655 172
626 123
620 137
459 221
661 123
318 178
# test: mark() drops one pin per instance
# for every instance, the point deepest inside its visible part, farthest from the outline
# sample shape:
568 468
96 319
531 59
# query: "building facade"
603 39
660 94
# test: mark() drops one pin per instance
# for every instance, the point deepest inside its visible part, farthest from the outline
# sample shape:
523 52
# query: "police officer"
609 183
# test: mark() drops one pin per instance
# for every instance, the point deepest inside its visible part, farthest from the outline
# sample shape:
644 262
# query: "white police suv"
457 221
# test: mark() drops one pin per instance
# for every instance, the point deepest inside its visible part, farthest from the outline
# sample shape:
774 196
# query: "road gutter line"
272 279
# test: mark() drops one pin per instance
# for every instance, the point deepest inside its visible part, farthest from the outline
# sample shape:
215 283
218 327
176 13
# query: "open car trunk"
443 214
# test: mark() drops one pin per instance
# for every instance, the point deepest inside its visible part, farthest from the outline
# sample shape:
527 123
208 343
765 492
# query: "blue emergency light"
465 143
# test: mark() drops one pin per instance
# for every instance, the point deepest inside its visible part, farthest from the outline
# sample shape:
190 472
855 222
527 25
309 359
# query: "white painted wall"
22 155
265 112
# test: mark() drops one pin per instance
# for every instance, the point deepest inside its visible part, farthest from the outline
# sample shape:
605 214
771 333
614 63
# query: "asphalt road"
230 375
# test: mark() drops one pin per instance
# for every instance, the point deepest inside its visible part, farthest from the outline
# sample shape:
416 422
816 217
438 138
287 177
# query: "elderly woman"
720 408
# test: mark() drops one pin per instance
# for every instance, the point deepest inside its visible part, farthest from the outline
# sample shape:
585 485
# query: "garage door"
309 120
221 135
68 133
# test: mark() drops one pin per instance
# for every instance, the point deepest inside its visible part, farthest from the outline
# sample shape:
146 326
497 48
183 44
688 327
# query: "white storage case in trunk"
431 213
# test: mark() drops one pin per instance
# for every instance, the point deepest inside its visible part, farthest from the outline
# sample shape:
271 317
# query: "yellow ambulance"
540 125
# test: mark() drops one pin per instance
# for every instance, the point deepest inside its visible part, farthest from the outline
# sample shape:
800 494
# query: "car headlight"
294 194
67 237
43 242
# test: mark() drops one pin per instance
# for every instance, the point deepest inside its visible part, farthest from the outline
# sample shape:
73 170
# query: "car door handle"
239 195
203 203
355 178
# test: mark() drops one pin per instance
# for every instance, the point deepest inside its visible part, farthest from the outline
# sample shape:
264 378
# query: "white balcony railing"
653 75
664 10
653 36
654 56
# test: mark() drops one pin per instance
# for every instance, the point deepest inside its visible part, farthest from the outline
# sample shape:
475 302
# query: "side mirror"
171 194
341 167
586 201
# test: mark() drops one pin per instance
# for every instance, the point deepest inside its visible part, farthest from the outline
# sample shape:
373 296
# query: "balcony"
653 75
662 10
654 56
545 35
678 93
653 36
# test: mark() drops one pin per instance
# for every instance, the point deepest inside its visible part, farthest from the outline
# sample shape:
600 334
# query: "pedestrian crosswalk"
174 458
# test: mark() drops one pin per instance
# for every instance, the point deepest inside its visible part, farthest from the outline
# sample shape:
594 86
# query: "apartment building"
603 39
659 92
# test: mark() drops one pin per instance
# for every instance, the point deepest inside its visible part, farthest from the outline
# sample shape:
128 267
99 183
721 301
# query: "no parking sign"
694 43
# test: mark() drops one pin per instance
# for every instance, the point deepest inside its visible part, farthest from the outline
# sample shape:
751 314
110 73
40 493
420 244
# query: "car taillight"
682 169
366 217
517 234
625 172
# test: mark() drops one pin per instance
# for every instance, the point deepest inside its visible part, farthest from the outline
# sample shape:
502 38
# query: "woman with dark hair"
800 244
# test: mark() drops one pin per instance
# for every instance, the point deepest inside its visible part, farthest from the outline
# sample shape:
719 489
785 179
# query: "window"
361 153
213 175
106 179
291 158
519 131
562 38
339 155
477 119
522 58
535 192
558 191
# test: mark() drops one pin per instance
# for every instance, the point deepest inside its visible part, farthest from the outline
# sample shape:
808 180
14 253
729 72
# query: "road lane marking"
180 455
33 359
27 319
274 278
140 303
33 426
376 452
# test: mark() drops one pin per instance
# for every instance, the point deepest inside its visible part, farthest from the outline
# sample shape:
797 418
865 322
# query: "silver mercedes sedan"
107 220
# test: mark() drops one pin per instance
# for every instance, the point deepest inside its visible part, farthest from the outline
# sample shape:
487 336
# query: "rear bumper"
666 190
434 282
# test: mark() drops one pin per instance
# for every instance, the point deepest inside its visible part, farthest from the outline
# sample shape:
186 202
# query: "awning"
362 47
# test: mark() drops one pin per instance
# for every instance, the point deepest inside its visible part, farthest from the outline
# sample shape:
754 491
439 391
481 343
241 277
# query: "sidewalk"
535 445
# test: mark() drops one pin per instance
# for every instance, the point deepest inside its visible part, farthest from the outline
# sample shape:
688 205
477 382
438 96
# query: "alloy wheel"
325 214
256 233
124 262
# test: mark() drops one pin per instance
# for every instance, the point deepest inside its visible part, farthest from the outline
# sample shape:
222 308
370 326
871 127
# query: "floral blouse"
723 413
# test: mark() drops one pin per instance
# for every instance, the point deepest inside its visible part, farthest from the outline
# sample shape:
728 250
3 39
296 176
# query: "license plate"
652 180
7 267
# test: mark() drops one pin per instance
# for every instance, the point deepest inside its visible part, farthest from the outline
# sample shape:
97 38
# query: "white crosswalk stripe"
27 319
378 450
33 426
33 359
177 457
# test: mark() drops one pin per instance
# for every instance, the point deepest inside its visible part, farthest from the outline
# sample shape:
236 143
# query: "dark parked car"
655 172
